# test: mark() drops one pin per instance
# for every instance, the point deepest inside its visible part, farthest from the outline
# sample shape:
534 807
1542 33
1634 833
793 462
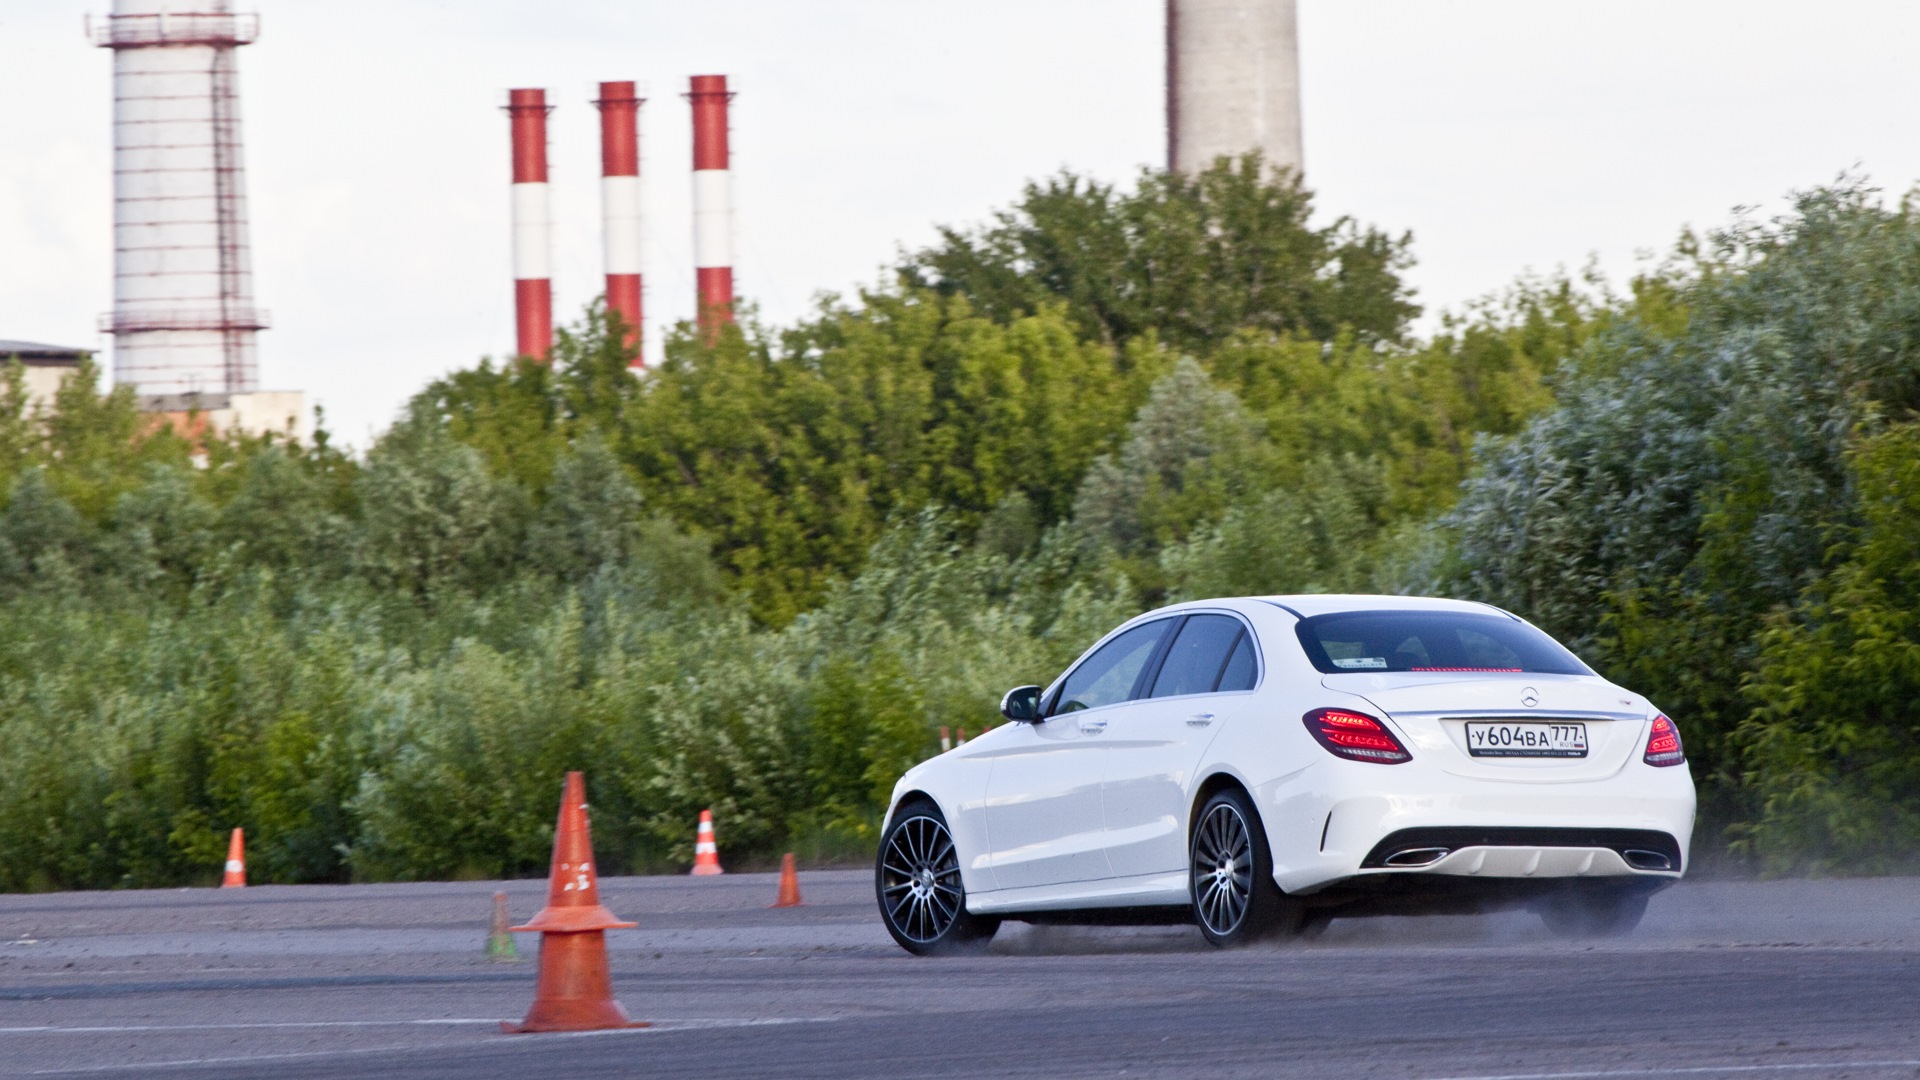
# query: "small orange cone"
789 884
706 855
575 991
236 876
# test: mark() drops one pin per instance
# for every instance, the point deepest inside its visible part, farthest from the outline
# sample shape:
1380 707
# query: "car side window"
1107 677
1242 667
1199 654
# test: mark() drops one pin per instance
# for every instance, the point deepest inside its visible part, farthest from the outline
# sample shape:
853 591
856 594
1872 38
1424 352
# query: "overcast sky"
1505 134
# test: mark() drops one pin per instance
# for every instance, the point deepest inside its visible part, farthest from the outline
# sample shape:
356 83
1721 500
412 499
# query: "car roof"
1307 605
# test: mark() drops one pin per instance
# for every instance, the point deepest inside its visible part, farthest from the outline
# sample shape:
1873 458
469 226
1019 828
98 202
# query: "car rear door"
1152 749
1045 825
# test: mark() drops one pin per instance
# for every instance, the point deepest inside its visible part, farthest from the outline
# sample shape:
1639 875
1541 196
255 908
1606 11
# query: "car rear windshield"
1351 642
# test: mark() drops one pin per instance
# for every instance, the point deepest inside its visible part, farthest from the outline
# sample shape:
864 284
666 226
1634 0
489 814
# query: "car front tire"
1230 875
916 878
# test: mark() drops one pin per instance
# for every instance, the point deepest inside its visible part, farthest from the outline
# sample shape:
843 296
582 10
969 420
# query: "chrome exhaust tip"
1420 856
1641 859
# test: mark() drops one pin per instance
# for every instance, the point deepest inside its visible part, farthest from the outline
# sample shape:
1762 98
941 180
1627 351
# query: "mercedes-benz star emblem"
1529 697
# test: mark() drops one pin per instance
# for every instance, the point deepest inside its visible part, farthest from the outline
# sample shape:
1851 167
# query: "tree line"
761 577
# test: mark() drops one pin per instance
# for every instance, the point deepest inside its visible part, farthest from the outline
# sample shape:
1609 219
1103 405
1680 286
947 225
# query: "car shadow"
1021 939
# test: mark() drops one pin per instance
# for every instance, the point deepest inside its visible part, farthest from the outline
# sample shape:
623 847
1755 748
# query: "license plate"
1502 738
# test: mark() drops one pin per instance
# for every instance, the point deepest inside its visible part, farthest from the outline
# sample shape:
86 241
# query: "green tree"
792 461
434 515
1190 452
1191 259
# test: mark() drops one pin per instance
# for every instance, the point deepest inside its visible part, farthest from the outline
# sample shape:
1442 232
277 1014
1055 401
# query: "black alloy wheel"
917 881
1230 878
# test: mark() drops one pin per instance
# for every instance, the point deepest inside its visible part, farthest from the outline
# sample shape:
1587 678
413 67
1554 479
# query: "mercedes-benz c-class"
1258 766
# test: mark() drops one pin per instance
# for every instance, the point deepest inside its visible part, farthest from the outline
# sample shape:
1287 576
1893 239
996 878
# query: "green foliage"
792 459
1686 492
1194 260
1188 453
380 671
434 515
759 578
1832 749
1283 542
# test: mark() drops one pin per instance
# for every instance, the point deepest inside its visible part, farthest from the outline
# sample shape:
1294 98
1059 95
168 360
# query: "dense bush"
1691 513
1832 750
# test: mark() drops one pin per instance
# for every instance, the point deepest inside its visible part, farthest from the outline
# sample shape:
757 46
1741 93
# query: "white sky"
1506 134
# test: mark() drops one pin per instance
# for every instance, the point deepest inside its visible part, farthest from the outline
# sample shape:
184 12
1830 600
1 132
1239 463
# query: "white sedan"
1260 765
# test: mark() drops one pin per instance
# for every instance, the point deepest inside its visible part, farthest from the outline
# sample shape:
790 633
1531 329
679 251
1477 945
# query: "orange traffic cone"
789 884
575 991
236 876
706 855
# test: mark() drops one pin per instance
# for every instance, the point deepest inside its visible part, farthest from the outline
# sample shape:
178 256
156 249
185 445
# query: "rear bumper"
1330 825
1527 852
1390 892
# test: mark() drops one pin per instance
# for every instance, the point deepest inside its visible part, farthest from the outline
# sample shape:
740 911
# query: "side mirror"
1022 703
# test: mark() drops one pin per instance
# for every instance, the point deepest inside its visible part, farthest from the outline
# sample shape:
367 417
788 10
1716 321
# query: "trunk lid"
1432 710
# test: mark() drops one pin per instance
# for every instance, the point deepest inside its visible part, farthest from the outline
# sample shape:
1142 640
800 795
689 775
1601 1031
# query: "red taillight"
1355 736
1663 744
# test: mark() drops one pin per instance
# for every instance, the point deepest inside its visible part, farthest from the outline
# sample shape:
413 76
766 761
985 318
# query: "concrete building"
46 366
281 412
263 412
1233 82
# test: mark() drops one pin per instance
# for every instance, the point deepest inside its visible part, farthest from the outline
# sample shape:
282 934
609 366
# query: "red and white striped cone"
620 205
574 991
532 225
706 854
712 200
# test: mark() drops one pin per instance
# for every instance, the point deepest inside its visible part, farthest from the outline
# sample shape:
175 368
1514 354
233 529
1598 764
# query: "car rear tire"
1230 876
1593 912
916 878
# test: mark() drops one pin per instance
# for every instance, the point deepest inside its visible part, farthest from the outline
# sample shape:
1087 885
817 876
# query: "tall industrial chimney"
712 200
621 220
532 225
183 318
1233 82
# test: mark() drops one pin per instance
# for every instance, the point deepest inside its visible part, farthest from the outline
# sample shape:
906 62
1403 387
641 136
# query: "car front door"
1045 825
1153 750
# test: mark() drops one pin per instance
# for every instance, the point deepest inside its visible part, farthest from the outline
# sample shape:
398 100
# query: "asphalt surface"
1730 979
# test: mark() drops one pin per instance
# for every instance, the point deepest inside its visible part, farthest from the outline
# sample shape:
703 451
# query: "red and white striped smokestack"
620 215
712 199
532 225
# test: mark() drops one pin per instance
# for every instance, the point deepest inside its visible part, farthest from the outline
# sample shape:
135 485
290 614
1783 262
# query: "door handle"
1200 719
